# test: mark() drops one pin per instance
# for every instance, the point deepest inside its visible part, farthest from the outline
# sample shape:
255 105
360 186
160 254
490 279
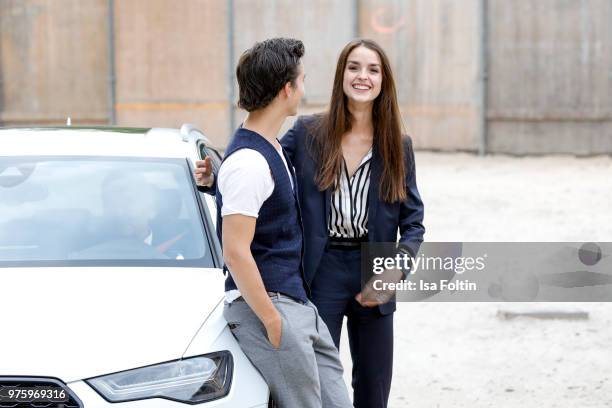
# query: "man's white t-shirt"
245 182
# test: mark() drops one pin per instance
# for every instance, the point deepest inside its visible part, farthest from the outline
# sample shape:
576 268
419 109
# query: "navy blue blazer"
384 219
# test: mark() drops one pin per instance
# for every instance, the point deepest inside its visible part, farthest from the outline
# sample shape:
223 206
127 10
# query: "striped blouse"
348 217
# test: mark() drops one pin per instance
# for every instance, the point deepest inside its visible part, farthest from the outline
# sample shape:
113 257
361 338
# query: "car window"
119 211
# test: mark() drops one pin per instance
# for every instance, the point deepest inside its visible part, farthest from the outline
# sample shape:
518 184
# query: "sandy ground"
462 354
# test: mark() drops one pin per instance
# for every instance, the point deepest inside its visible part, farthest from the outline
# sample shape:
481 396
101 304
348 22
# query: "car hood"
74 323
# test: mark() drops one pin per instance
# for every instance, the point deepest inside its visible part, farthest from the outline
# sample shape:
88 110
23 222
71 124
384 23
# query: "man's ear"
288 89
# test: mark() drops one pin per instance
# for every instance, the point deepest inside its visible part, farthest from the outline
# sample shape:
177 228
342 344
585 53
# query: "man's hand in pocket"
274 328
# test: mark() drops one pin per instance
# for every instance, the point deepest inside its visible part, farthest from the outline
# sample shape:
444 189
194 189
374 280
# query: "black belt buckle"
346 243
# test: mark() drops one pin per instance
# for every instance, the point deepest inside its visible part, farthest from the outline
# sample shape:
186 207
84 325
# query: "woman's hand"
370 297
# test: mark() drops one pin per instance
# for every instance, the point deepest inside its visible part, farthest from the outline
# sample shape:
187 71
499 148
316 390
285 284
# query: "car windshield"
100 211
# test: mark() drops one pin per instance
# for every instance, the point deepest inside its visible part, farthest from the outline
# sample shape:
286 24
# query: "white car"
111 285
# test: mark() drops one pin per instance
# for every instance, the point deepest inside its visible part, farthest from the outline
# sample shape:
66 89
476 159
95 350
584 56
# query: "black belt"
346 243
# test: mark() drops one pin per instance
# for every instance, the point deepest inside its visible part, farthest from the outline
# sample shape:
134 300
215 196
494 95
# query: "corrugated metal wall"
324 27
171 64
530 76
550 84
434 46
53 61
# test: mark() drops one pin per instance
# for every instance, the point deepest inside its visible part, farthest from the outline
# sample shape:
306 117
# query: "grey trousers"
305 371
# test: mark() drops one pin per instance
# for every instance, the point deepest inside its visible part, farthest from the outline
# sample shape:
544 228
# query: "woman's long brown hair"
387 130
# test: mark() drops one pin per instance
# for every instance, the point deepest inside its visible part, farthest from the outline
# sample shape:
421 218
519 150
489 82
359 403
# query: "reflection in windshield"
93 209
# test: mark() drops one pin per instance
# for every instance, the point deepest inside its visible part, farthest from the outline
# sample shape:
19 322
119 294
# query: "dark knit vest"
277 245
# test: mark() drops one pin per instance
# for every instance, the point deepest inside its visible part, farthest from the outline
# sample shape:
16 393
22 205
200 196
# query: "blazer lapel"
327 205
292 174
373 201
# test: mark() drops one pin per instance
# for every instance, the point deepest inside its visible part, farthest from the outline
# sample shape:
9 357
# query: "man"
259 224
124 230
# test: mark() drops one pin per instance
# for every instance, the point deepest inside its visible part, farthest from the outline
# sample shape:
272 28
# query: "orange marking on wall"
170 106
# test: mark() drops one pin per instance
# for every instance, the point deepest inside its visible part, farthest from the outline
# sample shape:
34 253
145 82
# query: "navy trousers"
337 281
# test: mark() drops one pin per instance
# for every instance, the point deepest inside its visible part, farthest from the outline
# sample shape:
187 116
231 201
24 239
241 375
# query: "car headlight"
190 380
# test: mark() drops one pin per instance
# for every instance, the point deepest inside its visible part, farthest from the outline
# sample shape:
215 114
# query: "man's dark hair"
264 69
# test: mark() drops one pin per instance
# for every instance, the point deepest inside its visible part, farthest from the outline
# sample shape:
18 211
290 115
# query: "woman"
357 183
